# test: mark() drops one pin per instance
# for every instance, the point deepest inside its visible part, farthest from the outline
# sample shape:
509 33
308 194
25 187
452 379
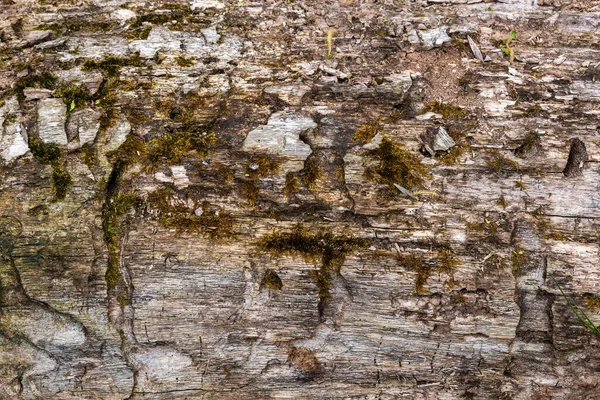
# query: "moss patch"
73 96
291 185
321 245
184 62
448 111
173 213
271 280
518 257
396 165
367 132
500 164
50 154
61 182
45 80
592 302
260 166
531 144
172 147
111 65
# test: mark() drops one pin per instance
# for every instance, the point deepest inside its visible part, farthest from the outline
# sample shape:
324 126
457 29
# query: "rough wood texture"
254 199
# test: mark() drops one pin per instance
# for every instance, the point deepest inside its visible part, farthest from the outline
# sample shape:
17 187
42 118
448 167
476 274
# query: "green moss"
545 227
184 62
123 301
531 143
132 151
172 147
520 185
311 172
467 80
447 261
173 213
445 110
291 185
488 228
88 155
73 96
142 33
518 257
396 165
592 302
61 182
534 110
271 280
502 202
455 155
321 245
499 164
416 264
115 206
111 65
48 154
177 16
45 80
260 166
263 166
367 132
76 24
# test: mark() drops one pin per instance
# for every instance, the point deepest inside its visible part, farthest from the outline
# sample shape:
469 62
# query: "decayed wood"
281 199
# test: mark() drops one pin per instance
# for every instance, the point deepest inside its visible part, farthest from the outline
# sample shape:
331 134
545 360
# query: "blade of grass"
585 320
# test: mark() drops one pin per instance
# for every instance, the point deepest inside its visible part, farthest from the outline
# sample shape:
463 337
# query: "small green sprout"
506 49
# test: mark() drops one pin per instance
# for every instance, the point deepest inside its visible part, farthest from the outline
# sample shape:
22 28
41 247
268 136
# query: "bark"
298 199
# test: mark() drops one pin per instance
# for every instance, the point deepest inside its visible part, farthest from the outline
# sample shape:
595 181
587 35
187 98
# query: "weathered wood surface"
451 298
